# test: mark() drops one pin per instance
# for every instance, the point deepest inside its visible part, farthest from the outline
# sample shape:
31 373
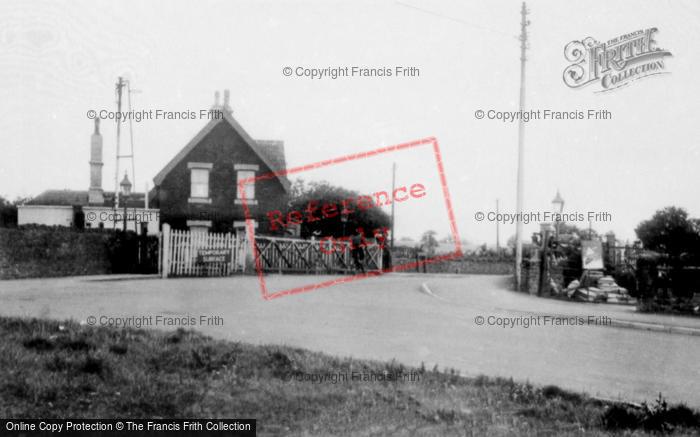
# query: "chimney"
95 193
227 106
216 104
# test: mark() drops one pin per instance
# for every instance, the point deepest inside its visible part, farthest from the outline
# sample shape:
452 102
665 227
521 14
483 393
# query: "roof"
60 197
274 150
271 152
80 197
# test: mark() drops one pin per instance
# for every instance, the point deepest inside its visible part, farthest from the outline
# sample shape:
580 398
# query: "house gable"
262 150
222 151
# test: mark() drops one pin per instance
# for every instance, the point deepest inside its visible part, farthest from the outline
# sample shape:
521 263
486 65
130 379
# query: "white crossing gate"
296 255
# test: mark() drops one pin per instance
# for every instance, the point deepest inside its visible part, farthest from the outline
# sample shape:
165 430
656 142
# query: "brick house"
198 188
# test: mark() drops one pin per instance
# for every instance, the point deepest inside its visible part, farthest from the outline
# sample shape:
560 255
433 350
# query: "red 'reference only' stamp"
318 211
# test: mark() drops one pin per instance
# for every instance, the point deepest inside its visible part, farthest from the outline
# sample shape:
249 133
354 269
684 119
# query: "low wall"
467 265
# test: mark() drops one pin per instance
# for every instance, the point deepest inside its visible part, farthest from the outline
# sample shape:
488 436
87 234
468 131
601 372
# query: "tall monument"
95 194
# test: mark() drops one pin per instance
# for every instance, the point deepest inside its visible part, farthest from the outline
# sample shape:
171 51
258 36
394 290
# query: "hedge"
46 251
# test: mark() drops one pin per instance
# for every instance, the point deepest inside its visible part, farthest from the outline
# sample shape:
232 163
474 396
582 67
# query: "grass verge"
52 369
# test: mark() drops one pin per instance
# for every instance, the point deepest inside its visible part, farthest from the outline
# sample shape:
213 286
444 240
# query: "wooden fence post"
166 250
160 254
249 265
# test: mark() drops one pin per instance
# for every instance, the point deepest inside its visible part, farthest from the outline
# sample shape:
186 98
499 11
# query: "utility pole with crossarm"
524 22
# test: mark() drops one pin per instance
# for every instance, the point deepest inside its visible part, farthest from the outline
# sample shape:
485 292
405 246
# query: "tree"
670 231
579 233
428 242
8 211
322 193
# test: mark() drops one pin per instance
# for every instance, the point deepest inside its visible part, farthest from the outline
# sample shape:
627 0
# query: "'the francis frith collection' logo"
614 63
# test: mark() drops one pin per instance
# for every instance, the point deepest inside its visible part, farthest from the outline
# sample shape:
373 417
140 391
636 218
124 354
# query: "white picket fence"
187 253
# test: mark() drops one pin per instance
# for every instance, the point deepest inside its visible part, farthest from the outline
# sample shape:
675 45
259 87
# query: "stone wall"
531 273
466 265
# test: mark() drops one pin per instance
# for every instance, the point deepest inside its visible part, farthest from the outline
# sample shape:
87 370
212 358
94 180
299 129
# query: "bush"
44 251
657 417
620 417
121 250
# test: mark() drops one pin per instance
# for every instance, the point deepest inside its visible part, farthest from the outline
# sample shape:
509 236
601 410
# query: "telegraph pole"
119 86
524 22
498 233
131 135
393 187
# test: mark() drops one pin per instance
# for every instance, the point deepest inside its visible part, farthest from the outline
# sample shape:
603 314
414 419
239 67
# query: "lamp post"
557 208
125 192
344 220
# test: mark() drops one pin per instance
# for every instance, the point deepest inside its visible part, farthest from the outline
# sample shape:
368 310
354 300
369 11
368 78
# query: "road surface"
411 317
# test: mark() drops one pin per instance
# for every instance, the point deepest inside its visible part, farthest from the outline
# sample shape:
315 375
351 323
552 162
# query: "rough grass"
61 369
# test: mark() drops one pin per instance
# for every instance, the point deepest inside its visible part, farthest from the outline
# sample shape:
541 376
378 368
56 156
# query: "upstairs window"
249 186
199 181
243 172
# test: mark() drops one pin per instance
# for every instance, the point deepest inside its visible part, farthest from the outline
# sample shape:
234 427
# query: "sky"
58 60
